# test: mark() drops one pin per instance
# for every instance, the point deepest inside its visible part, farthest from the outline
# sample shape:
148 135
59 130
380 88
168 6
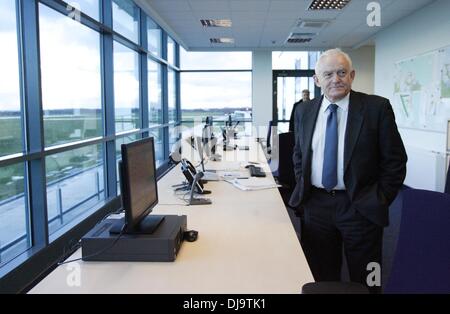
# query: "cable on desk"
99 252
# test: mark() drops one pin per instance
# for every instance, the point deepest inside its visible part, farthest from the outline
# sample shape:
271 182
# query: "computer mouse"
190 235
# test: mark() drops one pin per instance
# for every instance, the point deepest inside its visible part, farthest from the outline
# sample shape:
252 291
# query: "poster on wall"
422 91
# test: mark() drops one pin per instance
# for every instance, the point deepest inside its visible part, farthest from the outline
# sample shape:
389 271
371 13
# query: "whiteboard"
422 91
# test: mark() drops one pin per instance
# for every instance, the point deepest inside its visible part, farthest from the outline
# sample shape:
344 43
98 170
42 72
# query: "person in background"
349 164
305 97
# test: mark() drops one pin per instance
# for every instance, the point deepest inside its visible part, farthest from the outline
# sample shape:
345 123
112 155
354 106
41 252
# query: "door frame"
287 73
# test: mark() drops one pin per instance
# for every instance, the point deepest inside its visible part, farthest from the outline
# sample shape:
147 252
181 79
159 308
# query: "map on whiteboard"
422 91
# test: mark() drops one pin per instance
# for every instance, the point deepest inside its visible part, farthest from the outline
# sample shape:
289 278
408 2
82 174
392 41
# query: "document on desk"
253 184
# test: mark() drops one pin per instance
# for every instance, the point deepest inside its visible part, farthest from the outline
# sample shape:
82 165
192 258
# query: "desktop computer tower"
160 246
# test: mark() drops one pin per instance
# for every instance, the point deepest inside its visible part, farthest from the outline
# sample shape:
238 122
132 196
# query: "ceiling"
266 24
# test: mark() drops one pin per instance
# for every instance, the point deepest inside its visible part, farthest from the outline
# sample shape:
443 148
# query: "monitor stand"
148 225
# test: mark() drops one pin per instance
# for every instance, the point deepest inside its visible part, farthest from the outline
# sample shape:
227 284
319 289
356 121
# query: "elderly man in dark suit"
349 163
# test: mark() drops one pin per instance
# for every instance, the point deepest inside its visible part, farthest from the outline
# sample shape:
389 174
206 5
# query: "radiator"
425 169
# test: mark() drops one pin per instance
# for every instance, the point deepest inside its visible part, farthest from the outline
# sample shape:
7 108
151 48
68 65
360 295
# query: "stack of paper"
253 184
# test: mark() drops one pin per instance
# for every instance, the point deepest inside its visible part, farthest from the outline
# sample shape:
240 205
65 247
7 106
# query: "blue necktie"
329 171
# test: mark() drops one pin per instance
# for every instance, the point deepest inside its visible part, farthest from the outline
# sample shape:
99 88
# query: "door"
287 89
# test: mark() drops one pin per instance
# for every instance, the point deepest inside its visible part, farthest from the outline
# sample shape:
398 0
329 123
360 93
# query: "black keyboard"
256 171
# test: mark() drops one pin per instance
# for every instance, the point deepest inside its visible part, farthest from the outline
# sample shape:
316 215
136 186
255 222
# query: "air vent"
216 23
328 4
312 24
298 40
222 40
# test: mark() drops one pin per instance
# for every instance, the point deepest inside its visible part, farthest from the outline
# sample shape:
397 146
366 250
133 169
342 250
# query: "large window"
14 217
88 7
216 84
126 88
172 94
73 88
154 37
15 235
71 81
155 112
199 60
10 118
294 60
170 51
74 184
126 19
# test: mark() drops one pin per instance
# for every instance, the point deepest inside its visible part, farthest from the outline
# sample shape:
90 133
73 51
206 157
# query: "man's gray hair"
332 52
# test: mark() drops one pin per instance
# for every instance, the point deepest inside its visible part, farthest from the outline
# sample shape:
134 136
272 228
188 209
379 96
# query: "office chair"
269 137
282 165
422 257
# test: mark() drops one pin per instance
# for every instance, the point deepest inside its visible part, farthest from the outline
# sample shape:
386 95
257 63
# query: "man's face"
335 77
305 96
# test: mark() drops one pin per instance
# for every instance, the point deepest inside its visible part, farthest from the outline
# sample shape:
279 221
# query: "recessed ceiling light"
222 40
216 23
328 4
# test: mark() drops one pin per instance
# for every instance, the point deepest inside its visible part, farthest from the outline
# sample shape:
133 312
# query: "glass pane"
171 89
174 136
126 19
122 140
153 37
201 60
294 60
71 79
154 93
10 121
216 94
88 7
74 184
170 51
289 91
157 134
14 217
126 88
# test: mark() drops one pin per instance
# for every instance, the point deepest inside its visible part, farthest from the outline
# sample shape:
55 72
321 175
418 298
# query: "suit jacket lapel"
354 122
308 125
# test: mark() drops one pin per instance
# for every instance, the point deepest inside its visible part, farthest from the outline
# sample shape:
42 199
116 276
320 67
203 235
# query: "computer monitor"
209 120
138 187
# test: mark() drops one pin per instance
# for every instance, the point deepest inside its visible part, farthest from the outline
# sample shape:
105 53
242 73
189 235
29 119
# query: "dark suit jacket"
374 155
292 119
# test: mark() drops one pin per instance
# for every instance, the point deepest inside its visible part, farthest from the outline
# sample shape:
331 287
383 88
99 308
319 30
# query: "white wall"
262 90
423 31
363 60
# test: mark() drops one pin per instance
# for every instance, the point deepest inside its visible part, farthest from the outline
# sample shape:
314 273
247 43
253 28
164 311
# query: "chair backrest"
269 134
447 182
285 172
422 258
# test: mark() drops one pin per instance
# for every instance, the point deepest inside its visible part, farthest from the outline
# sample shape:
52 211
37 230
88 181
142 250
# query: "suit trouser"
330 225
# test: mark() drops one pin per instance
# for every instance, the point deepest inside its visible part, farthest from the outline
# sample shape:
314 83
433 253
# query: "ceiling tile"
249 5
209 5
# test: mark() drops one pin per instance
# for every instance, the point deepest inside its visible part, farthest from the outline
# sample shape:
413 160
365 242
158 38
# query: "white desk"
246 244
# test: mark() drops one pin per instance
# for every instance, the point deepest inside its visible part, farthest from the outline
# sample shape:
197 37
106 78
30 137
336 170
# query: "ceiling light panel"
328 4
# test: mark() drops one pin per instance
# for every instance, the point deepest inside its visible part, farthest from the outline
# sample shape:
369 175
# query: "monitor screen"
139 183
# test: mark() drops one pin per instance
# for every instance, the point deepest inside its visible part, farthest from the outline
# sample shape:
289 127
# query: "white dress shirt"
318 141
